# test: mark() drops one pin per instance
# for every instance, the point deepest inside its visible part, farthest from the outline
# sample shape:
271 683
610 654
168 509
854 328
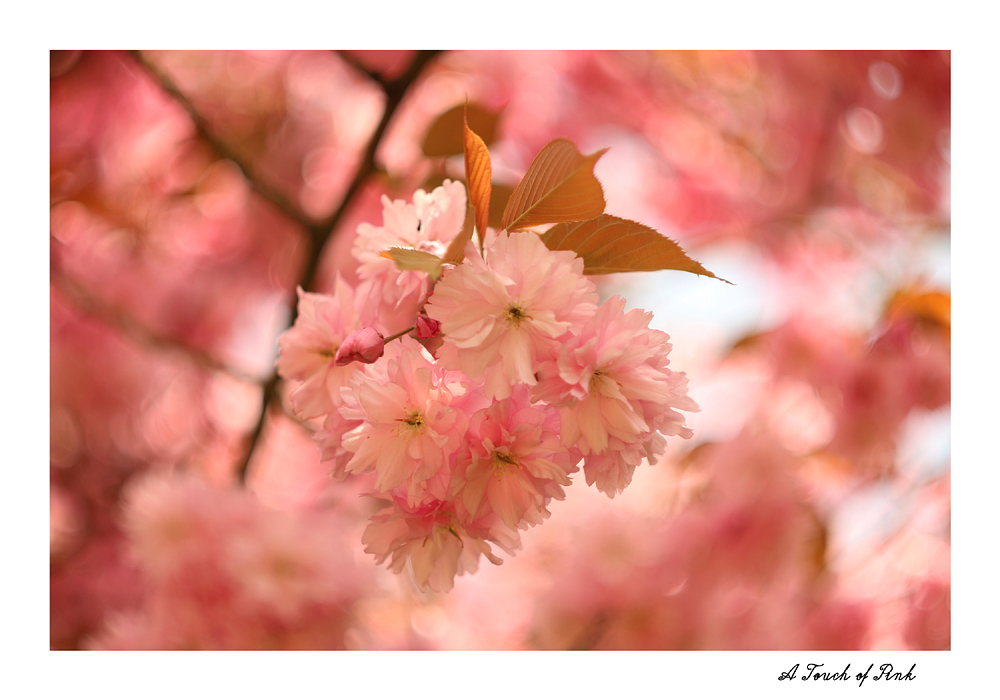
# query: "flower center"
443 531
601 379
514 314
412 424
505 463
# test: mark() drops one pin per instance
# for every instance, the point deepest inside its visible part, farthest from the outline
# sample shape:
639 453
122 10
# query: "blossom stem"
400 334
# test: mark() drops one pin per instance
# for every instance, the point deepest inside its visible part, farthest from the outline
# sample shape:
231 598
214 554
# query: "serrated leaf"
478 172
444 136
410 259
456 249
559 186
609 244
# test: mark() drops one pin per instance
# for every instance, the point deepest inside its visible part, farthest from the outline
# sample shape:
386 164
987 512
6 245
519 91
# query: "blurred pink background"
812 507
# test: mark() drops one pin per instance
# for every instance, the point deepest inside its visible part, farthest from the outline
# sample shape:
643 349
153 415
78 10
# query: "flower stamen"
413 422
514 314
505 463
599 379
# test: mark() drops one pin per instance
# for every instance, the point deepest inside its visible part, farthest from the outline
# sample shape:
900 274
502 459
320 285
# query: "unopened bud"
427 327
365 345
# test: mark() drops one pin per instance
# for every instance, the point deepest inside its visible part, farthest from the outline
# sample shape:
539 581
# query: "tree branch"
270 194
320 233
357 65
90 304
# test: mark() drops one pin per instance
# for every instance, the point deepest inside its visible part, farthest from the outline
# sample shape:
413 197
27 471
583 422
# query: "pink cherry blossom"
428 224
286 563
514 464
611 471
223 572
409 426
331 442
176 524
427 327
502 315
437 540
309 347
365 345
928 625
615 391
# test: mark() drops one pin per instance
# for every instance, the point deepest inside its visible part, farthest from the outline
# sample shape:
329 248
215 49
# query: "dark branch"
259 186
591 634
320 233
357 65
90 304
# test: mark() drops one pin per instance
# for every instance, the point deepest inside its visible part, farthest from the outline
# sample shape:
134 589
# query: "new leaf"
443 138
409 259
609 244
478 173
559 186
456 249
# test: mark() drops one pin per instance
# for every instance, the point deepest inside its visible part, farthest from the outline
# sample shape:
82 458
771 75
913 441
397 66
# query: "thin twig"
394 93
399 335
320 233
259 186
591 634
90 304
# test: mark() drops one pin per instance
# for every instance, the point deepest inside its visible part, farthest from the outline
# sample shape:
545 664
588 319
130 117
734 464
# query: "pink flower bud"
365 345
427 327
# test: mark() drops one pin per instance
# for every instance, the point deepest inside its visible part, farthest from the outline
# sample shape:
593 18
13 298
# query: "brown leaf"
410 259
559 186
456 249
929 307
445 137
499 194
477 175
609 244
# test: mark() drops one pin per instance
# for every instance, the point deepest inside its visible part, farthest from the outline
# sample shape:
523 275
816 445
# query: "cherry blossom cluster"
510 376
222 571
715 575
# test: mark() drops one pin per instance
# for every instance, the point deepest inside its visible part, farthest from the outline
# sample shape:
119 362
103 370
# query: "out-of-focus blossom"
64 523
869 391
732 571
224 573
929 623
